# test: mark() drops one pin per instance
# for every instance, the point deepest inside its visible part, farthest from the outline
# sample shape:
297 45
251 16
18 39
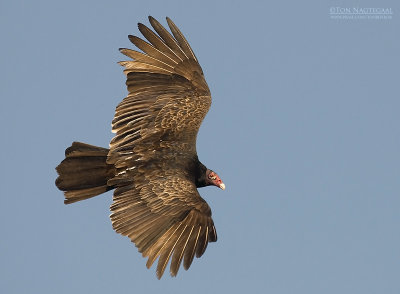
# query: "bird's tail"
84 172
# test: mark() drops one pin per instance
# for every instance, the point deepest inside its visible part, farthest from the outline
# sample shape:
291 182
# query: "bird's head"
213 179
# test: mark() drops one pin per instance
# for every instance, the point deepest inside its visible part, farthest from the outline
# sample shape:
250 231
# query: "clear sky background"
304 131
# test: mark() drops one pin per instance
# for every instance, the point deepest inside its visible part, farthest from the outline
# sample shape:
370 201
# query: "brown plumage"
152 162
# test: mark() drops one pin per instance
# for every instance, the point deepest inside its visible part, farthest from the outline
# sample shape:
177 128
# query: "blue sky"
304 131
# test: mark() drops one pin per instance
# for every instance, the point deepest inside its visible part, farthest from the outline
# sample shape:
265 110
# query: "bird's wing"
162 212
168 95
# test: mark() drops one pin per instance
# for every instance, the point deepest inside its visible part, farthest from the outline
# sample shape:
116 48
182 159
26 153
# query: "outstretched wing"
164 215
168 95
156 203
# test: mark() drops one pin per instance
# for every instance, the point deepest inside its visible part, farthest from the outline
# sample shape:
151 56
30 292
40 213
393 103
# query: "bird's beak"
222 186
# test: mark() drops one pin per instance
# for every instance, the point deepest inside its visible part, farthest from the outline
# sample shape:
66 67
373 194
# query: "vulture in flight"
152 161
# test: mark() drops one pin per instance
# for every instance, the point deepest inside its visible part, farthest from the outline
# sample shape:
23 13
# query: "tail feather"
84 172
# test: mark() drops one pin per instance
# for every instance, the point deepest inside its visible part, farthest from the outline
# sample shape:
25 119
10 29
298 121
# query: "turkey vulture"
152 162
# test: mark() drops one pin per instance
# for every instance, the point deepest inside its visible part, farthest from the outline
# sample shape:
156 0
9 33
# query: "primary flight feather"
152 162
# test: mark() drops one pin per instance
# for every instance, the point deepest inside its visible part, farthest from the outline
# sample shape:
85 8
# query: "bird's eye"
212 177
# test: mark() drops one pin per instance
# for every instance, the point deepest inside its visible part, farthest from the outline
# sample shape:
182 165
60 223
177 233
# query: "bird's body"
152 162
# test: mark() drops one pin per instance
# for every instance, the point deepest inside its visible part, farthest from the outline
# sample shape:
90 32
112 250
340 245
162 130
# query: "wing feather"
168 249
158 43
162 244
151 51
181 39
191 248
180 250
168 39
137 66
139 56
